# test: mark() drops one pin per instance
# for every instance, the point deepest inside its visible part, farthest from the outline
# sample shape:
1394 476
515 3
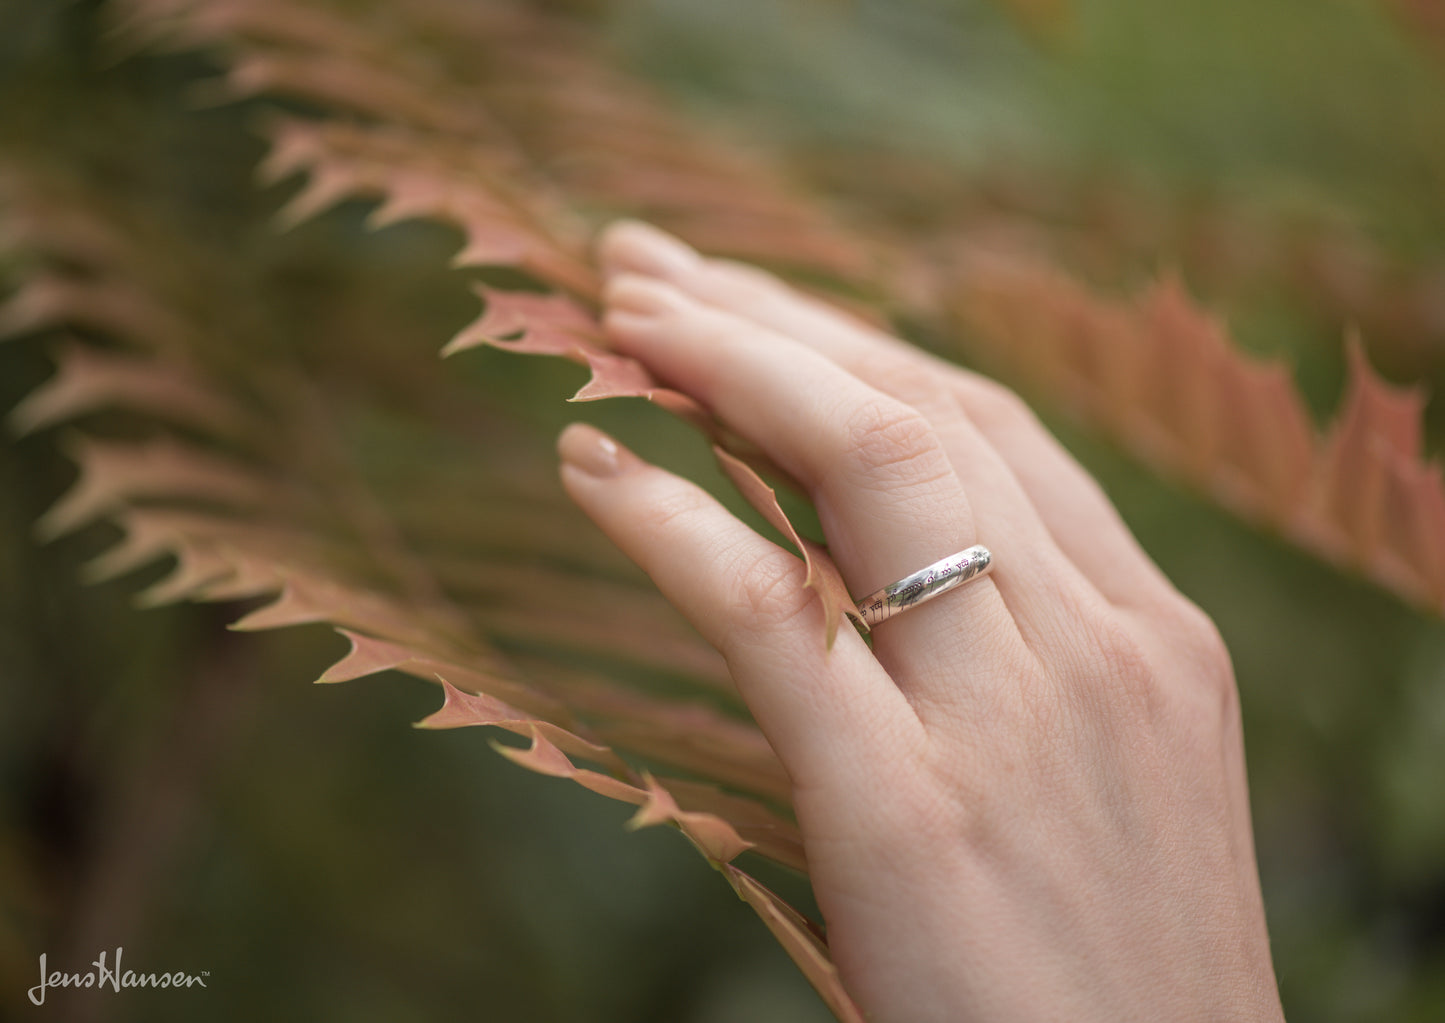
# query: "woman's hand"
1027 800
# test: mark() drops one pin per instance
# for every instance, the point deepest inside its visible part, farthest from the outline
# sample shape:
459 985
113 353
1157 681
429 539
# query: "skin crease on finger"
1070 840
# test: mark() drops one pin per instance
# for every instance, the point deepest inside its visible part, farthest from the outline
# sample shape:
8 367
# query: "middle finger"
886 492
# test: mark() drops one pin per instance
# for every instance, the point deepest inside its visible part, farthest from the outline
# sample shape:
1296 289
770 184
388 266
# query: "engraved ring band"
925 584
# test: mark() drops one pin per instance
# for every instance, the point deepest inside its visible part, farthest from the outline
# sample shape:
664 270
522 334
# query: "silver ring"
925 584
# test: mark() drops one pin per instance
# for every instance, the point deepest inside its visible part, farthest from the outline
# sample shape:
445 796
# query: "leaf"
771 835
549 324
114 475
545 758
553 324
462 710
175 498
46 301
1164 380
715 838
419 176
612 121
689 736
90 381
823 577
1425 21
482 674
805 947
526 109
1370 480
681 734
541 107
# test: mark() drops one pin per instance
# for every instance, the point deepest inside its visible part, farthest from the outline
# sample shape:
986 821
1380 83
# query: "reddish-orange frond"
1164 379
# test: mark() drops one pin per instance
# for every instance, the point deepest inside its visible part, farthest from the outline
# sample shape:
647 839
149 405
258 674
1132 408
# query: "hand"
1027 800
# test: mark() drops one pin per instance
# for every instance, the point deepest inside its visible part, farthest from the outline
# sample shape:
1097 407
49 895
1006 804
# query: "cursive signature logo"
103 976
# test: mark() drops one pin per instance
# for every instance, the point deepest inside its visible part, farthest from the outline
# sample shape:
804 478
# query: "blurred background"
180 790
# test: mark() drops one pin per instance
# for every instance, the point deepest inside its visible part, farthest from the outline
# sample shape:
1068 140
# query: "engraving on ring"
925 584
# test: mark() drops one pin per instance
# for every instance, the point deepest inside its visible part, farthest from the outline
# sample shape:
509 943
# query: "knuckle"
889 441
1178 672
1211 697
1109 668
1118 655
730 273
684 313
768 594
997 405
1199 641
662 513
908 384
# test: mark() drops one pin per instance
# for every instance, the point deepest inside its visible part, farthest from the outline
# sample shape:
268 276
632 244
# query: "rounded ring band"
925 584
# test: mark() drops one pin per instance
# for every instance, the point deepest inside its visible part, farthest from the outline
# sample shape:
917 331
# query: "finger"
1075 511
746 596
887 495
632 247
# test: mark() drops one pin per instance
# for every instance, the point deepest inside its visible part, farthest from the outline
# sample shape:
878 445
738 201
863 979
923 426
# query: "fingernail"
635 247
590 450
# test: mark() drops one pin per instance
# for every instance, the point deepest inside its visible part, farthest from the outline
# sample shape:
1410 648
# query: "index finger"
818 707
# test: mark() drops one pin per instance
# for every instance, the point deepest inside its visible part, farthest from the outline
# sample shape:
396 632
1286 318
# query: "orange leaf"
113 474
804 946
715 837
545 758
548 324
89 381
462 710
1164 379
823 577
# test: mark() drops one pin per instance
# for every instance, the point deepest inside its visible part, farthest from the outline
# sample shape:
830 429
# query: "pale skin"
1027 800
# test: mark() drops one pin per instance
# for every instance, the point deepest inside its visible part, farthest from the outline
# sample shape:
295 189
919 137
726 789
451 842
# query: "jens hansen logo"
113 977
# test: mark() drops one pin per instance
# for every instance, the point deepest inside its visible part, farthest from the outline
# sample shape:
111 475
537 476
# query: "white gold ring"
925 584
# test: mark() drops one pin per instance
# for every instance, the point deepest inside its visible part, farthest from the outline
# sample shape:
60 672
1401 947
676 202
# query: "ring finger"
886 492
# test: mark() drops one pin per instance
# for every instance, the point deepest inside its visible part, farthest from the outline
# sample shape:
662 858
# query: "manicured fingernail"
635 247
590 450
